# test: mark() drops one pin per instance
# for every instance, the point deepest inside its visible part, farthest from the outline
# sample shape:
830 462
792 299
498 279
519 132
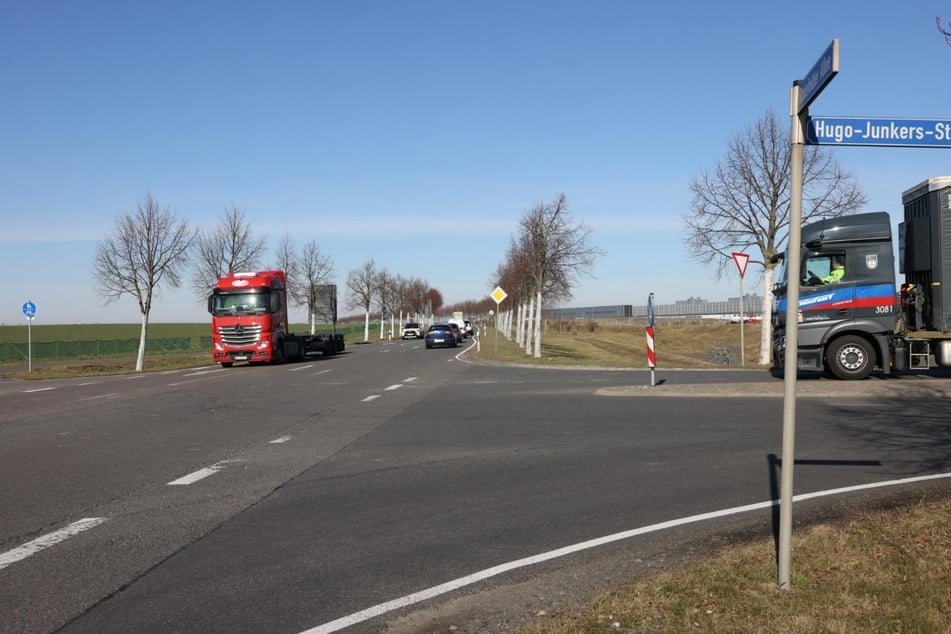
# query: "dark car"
441 335
457 331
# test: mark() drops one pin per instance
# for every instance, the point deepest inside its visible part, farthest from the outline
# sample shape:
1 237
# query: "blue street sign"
878 131
819 76
29 309
650 310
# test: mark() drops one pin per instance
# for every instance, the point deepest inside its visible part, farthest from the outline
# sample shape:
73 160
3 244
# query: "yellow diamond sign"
498 295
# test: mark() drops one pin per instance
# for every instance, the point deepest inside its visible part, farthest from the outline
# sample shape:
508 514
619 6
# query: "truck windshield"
241 303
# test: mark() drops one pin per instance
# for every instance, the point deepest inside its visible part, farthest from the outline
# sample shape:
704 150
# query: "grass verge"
885 571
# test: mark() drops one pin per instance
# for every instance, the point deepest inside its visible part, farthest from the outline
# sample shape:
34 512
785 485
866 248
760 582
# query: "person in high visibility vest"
837 272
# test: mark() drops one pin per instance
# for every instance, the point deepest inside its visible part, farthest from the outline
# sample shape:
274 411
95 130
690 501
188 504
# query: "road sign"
498 295
741 259
819 76
29 309
878 131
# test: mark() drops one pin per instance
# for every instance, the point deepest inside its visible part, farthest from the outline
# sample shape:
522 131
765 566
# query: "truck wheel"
850 358
226 364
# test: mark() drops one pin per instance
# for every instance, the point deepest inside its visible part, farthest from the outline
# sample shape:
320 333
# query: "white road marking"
39 389
301 367
409 380
50 539
201 474
372 397
92 398
200 372
394 387
455 584
278 441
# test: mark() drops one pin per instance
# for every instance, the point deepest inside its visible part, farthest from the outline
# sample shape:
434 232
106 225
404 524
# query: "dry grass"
881 572
677 344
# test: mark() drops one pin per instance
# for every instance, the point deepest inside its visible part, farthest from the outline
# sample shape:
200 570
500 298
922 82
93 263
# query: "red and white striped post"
651 358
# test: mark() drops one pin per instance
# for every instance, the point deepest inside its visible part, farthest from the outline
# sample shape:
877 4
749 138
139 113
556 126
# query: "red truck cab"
248 317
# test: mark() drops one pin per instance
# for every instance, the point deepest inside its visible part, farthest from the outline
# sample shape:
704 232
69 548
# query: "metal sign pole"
792 346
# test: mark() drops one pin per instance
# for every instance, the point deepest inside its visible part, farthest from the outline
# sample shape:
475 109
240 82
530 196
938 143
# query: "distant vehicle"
441 335
457 331
468 327
411 329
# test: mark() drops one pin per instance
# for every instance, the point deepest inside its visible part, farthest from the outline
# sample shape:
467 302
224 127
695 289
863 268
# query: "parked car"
441 335
411 329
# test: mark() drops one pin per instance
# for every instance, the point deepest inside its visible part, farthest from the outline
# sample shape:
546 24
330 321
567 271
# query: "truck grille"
240 335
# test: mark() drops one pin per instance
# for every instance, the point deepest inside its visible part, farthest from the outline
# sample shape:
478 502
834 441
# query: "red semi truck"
249 322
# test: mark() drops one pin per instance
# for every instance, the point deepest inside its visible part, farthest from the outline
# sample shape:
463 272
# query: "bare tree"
229 247
743 204
386 296
362 285
313 291
147 248
557 253
289 262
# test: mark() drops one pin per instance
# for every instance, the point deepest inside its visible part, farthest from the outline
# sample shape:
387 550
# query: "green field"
103 341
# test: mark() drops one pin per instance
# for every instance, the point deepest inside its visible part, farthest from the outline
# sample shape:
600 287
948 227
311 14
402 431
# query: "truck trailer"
249 322
853 322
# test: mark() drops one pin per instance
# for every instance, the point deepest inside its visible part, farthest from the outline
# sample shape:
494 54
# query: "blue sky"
417 133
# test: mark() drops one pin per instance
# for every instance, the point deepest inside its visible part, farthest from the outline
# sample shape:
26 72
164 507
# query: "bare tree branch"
229 247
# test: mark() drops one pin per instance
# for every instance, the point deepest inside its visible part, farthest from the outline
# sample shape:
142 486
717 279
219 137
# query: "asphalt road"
284 498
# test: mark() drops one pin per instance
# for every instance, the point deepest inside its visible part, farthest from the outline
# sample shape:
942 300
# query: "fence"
100 349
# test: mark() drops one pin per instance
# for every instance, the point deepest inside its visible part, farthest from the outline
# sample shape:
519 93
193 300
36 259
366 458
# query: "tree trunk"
140 358
528 325
538 327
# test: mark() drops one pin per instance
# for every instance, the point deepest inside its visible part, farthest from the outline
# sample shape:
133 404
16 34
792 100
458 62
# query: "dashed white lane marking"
39 389
92 398
201 474
372 397
301 367
455 584
201 372
280 440
395 386
50 539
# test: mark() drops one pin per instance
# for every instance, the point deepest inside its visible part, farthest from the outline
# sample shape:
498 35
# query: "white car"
411 329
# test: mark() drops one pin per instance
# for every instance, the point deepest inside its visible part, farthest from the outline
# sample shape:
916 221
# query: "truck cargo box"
925 249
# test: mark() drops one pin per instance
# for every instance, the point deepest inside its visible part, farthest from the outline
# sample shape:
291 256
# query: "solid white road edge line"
455 584
50 539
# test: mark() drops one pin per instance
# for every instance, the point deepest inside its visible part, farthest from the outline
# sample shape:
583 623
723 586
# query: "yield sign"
741 259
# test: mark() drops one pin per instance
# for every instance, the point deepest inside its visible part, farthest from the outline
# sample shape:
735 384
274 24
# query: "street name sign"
819 76
878 131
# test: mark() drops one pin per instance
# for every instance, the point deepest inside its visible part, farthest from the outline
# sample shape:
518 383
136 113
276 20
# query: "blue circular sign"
29 309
